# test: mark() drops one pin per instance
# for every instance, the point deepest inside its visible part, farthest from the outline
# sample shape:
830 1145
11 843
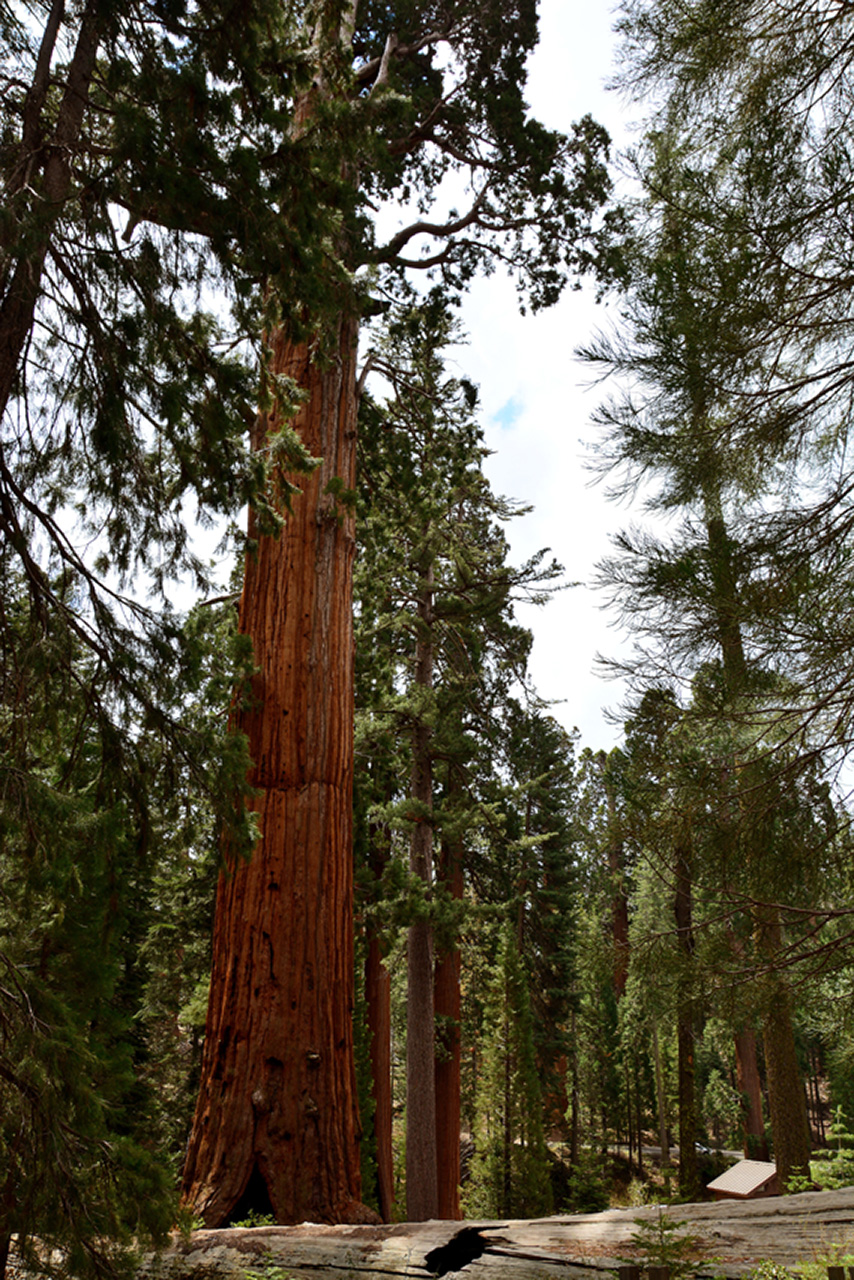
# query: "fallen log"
733 1236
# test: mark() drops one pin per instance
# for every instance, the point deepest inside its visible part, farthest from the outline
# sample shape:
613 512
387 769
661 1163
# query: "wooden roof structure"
746 1180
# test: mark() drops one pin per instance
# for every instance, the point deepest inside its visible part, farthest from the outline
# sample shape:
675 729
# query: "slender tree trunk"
816 1072
786 1099
422 1193
574 1105
556 1098
378 997
660 1101
277 1101
378 1001
689 1181
750 1088
619 903
507 1145
448 1059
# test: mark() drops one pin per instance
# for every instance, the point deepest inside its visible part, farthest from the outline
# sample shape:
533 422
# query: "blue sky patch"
508 413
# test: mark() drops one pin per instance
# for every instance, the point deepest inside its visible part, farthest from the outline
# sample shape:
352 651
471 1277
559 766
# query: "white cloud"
536 407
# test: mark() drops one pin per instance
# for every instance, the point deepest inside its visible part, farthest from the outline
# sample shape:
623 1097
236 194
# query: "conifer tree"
435 591
83 1173
148 174
510 1173
768 93
696 302
536 870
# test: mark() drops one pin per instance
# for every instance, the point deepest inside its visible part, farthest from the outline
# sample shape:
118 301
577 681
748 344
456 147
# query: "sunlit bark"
278 1097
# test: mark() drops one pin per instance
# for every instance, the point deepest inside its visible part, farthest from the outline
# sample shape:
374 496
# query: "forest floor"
730 1238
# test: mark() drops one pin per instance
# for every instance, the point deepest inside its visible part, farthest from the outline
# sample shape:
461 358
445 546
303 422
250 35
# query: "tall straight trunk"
556 1099
785 1091
786 1098
448 1073
507 1133
638 1113
750 1088
277 1109
660 1100
786 1102
422 1193
575 1102
619 901
689 1181
378 1000
630 1128
815 1076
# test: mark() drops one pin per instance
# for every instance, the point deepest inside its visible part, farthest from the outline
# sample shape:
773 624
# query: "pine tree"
768 94
696 302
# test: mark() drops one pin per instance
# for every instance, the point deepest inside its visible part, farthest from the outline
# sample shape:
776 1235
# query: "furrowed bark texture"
277 1097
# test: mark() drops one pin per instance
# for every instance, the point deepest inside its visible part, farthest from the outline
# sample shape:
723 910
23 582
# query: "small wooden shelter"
747 1180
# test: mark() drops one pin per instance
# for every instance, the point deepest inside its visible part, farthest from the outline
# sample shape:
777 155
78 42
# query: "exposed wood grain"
785 1229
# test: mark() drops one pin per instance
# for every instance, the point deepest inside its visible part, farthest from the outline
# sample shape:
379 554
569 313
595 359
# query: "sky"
537 401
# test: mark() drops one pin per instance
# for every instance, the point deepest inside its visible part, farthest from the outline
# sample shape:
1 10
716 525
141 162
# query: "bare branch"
366 73
436 229
385 62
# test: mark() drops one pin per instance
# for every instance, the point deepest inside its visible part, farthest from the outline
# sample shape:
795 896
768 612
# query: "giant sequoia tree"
143 158
419 91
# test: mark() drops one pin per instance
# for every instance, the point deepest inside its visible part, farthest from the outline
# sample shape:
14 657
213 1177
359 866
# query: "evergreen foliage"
510 1173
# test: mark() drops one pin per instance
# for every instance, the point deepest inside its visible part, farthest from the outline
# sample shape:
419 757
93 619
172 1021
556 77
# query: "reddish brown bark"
378 999
449 1056
750 1087
277 1101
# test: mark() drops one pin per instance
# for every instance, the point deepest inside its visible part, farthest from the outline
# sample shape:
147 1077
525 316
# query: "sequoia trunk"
276 1121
